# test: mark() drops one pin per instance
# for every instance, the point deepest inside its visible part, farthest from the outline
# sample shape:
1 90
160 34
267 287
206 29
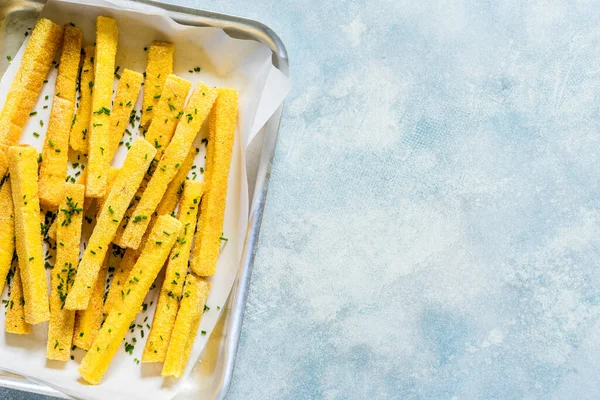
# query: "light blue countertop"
432 225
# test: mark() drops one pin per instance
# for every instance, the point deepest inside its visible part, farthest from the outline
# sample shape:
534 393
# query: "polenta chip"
171 290
107 343
78 137
55 154
222 122
166 207
23 165
190 312
160 65
190 122
7 232
43 44
127 181
68 68
68 236
99 140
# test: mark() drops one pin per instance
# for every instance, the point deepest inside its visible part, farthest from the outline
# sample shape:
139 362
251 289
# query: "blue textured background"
432 226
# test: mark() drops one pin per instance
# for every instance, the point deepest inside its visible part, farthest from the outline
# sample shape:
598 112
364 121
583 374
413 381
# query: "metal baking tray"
211 377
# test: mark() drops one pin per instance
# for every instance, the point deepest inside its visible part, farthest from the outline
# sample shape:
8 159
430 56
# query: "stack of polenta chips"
134 203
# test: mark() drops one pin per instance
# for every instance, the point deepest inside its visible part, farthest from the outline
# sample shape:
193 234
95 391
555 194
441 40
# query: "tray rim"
239 293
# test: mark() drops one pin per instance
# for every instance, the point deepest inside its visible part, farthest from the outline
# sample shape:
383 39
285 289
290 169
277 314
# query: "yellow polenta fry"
128 90
55 154
175 188
170 292
166 112
78 137
15 315
89 321
186 326
66 80
222 122
22 162
166 207
160 65
190 122
112 175
123 189
161 131
7 232
68 236
43 44
161 240
99 140
45 40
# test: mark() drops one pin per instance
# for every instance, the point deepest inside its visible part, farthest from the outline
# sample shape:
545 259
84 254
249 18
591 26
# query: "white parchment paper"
226 62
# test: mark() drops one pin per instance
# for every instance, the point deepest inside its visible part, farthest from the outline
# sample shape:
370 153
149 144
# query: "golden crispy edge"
190 312
222 123
127 181
96 362
99 141
55 154
78 137
160 65
89 321
128 90
195 113
22 162
7 232
15 315
68 237
177 265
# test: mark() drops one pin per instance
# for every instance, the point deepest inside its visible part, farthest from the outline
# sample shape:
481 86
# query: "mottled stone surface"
432 227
